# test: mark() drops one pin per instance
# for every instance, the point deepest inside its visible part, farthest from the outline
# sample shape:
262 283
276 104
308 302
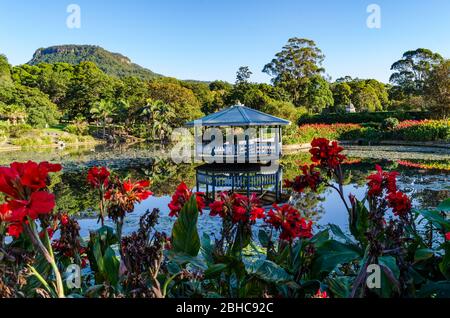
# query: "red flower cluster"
181 196
397 200
410 123
447 236
326 154
98 177
321 294
123 195
237 207
382 180
24 186
288 219
310 178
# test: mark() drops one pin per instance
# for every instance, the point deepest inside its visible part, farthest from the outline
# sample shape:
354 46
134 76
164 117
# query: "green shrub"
426 130
68 139
79 129
17 131
32 141
361 118
85 139
390 123
306 133
4 128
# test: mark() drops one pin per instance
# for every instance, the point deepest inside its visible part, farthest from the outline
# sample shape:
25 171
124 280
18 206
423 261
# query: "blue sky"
210 39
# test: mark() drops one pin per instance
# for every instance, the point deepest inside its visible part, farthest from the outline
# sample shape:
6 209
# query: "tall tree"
342 93
243 75
411 72
298 61
437 89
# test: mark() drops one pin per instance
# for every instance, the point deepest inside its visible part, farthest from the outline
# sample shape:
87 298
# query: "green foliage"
294 66
360 118
412 71
102 258
437 90
113 64
390 123
185 238
431 130
17 131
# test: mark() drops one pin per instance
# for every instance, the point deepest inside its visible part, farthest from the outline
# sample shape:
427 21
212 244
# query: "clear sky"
210 39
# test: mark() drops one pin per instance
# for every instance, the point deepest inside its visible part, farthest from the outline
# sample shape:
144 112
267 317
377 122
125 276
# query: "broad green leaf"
111 264
214 270
444 206
263 238
444 266
423 254
440 289
389 276
185 238
336 230
359 221
207 248
269 272
331 253
340 286
436 218
320 238
183 259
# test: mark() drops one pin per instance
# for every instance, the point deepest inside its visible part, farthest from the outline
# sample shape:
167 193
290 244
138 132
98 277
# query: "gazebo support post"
277 186
247 148
214 187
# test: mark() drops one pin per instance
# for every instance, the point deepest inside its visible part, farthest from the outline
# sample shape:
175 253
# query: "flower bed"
408 130
422 130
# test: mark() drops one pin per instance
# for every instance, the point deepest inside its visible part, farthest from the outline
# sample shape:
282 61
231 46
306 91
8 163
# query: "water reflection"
427 187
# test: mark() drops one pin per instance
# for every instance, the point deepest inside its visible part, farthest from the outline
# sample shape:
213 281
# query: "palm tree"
103 110
159 116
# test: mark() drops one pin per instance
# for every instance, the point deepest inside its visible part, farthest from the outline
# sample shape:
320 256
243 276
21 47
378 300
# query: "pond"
424 175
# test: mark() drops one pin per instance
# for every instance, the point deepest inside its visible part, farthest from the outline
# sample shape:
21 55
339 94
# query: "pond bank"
429 144
6 148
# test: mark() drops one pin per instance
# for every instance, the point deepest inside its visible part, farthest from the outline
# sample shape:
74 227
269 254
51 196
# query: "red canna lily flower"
257 213
34 175
310 178
217 208
40 202
382 180
288 220
237 207
399 202
15 229
447 236
64 219
98 177
181 196
326 154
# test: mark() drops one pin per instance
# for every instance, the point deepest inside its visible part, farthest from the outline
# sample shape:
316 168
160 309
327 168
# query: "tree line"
41 95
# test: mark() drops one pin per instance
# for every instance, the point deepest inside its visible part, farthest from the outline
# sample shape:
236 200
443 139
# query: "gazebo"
246 158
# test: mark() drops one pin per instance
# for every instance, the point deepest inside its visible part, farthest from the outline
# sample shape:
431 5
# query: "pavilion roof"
239 115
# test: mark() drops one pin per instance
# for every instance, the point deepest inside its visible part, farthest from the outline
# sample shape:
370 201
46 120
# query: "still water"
424 175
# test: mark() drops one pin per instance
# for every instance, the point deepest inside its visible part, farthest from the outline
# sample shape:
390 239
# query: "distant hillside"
114 64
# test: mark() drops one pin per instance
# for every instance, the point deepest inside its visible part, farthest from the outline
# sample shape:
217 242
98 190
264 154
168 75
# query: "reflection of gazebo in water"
240 147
